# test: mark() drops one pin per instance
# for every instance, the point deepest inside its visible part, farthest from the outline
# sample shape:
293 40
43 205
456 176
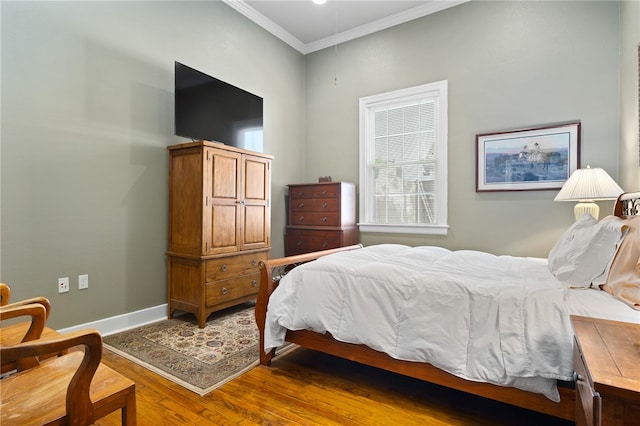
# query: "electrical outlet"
83 281
63 285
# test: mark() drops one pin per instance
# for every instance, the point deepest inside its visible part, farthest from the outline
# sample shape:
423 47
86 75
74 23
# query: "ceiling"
309 27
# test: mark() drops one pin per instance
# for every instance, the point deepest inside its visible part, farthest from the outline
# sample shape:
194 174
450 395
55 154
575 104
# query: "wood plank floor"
310 388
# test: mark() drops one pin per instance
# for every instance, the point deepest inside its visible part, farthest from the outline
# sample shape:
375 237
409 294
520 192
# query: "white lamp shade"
589 184
586 185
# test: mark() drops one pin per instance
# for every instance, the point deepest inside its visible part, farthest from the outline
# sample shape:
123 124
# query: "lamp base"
586 207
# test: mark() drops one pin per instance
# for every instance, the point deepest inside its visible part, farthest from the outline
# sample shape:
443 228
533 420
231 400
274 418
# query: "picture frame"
535 158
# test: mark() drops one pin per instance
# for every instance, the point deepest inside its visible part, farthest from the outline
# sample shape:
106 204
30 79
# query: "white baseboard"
123 322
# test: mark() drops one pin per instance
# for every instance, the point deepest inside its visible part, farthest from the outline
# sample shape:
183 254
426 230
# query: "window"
403 161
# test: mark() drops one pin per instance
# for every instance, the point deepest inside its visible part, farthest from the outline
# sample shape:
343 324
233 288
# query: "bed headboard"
627 204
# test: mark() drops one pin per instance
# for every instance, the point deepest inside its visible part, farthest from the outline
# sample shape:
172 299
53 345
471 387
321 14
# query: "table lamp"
586 186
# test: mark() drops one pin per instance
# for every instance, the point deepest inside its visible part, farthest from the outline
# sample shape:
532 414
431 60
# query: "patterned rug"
200 359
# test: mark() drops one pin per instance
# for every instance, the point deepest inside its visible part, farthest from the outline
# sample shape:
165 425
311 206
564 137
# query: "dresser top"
320 183
218 145
611 350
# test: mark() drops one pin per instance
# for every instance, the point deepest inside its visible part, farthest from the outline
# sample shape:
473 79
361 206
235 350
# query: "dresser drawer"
313 191
588 400
315 205
304 241
315 219
232 266
234 288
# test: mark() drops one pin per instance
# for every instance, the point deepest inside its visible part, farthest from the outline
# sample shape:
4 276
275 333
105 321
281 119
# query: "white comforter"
496 319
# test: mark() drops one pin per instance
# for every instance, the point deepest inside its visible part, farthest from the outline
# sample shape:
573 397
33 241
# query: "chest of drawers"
321 216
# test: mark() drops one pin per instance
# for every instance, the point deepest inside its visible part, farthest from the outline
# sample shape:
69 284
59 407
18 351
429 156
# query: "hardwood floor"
310 388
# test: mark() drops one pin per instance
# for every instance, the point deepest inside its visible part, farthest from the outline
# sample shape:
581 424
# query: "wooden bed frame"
271 271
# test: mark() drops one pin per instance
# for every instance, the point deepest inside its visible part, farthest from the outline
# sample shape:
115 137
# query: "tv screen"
210 109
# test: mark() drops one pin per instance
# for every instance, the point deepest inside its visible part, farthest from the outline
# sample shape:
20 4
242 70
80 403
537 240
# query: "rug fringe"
200 391
174 379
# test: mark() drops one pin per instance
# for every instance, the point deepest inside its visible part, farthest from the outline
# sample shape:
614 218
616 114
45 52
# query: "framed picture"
529 159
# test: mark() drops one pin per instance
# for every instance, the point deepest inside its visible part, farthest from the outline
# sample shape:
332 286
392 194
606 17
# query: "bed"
493 326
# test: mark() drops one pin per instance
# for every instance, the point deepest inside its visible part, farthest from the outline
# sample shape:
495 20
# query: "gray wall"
629 74
509 65
87 114
87 94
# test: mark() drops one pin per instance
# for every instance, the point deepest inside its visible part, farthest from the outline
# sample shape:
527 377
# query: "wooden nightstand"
607 362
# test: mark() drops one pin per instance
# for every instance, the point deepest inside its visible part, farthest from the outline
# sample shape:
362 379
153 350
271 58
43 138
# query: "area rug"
200 359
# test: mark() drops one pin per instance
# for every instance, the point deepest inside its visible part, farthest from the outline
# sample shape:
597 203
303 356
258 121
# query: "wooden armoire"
219 226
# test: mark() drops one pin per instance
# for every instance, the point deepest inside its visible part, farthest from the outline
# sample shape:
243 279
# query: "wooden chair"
74 389
5 296
23 331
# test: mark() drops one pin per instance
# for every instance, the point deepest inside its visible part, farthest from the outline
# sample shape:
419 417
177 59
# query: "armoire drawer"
234 288
232 266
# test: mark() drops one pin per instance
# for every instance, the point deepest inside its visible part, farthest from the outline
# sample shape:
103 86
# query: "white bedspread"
496 319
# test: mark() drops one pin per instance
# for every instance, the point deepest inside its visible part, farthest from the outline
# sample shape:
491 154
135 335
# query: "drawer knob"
325 244
223 268
254 262
577 377
301 205
301 218
299 243
324 192
324 205
224 290
324 219
301 193
254 283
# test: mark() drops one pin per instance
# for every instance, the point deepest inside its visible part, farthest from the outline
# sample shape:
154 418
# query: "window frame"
436 91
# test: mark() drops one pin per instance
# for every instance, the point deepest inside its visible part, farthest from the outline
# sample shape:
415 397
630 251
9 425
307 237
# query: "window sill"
404 229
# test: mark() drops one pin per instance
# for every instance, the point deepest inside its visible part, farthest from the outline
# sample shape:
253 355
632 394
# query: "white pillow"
585 250
602 278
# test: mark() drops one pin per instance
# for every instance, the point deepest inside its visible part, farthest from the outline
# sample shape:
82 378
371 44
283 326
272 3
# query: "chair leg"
129 414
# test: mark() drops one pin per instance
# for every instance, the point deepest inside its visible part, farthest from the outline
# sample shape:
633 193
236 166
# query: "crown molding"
258 18
381 24
429 8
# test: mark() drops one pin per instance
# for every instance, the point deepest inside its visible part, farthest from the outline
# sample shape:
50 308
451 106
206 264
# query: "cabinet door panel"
225 168
256 173
224 231
254 225
256 200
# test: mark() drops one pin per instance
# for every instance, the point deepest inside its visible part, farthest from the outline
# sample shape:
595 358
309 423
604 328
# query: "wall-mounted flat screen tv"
210 109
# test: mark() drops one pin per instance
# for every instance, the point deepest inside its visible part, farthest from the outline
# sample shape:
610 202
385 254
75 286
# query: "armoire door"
256 217
223 212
